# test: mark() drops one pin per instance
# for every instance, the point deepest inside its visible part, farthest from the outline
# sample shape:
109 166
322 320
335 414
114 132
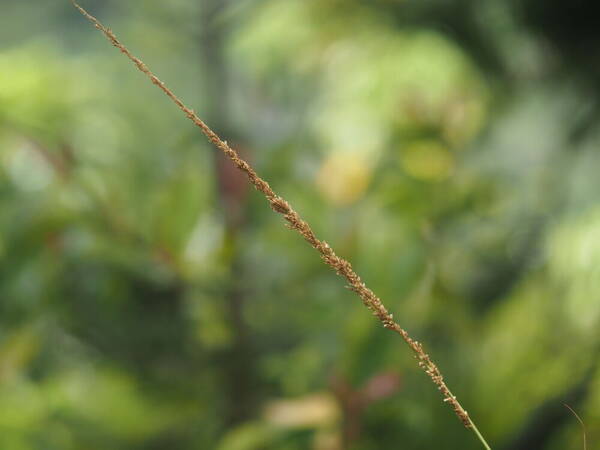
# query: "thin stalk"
479 436
296 223
581 423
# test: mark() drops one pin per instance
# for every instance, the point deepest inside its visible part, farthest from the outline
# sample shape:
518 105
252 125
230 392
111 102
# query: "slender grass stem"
480 436
296 223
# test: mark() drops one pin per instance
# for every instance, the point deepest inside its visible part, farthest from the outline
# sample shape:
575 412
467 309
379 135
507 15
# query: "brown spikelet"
295 222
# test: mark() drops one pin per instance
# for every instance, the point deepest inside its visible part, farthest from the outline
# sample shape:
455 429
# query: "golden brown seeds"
281 206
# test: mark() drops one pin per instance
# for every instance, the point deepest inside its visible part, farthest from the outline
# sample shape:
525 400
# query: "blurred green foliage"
149 299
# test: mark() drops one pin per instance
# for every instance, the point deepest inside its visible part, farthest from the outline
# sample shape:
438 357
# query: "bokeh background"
150 300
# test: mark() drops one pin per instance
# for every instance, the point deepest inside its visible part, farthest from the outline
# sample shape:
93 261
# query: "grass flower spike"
295 222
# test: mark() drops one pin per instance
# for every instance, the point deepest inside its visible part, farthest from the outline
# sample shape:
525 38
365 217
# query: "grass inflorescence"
296 223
